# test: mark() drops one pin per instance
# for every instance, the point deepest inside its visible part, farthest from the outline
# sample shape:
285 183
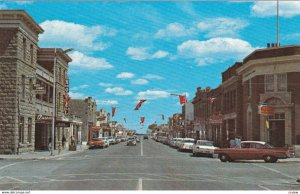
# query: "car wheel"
270 159
224 158
194 154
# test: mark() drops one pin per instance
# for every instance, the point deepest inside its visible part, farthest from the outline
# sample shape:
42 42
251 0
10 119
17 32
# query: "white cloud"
75 95
174 30
152 94
105 84
118 91
140 82
142 53
83 61
268 8
79 87
67 34
107 102
125 75
225 27
153 76
215 50
23 2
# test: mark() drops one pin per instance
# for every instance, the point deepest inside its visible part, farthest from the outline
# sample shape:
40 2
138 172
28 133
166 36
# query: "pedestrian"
49 144
238 142
63 140
232 143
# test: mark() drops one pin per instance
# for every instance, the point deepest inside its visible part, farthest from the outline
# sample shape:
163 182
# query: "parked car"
253 150
98 143
178 141
112 141
145 137
204 147
173 141
186 144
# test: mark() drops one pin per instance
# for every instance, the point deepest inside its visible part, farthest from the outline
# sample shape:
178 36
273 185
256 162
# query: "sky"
126 51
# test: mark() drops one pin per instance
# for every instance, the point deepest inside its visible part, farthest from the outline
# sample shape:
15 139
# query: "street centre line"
140 184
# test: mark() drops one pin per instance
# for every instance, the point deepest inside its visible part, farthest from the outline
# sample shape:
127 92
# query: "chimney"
268 45
273 45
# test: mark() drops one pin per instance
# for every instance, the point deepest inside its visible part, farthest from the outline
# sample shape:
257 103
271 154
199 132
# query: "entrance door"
277 137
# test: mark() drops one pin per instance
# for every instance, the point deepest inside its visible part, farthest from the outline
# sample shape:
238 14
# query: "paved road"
148 166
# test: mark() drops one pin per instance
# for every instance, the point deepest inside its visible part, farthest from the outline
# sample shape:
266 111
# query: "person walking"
63 140
238 142
232 143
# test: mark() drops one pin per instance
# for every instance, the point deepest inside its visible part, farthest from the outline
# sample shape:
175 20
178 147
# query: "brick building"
272 76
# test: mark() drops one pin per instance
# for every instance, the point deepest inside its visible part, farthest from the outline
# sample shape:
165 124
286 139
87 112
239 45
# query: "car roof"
260 142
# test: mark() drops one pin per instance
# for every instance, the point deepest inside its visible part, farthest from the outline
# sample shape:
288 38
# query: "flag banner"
113 111
267 124
125 120
138 106
163 117
211 100
182 99
142 120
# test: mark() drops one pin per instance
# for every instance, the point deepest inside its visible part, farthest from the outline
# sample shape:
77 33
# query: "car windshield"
205 143
268 146
188 141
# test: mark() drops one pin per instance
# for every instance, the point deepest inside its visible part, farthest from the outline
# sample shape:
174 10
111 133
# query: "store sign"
40 90
43 117
216 119
265 110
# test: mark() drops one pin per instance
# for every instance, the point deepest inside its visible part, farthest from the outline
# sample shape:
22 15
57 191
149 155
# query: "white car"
186 144
204 147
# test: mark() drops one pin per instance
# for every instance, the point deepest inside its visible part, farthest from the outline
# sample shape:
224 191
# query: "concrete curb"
42 157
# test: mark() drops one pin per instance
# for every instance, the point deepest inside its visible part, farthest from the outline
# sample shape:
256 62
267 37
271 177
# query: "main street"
148 166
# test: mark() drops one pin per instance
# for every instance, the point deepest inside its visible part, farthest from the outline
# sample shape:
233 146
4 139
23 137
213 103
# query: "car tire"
224 158
270 159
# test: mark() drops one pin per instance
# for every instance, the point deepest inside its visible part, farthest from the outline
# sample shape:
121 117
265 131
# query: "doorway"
277 133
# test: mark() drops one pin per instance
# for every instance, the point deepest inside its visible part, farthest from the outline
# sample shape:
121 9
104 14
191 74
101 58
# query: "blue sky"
125 51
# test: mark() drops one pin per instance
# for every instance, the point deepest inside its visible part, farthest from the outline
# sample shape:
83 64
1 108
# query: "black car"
145 137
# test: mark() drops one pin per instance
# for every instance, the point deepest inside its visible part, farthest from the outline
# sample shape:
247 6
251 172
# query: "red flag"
163 117
125 120
113 110
142 120
139 104
66 100
182 99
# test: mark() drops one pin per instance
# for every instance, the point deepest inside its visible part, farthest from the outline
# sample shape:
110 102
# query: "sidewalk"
43 155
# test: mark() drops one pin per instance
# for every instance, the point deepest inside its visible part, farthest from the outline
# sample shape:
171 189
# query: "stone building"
18 52
47 59
271 76
86 110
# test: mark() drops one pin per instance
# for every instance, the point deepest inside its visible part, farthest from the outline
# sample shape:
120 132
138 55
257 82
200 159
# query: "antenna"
277 21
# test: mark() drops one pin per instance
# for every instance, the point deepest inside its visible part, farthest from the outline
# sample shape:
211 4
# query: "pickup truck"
253 150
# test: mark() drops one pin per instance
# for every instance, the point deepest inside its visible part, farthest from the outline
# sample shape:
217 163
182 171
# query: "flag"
66 100
163 117
139 104
182 99
267 124
113 110
211 100
125 120
142 120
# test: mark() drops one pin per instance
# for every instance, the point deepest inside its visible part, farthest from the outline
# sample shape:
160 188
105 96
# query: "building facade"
271 76
18 47
86 110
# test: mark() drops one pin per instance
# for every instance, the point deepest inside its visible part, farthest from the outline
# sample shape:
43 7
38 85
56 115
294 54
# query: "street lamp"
54 98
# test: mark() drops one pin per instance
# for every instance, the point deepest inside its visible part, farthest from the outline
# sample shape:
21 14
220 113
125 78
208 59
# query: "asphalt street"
148 166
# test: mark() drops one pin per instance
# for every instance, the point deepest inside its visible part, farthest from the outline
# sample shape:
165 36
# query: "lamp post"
54 98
